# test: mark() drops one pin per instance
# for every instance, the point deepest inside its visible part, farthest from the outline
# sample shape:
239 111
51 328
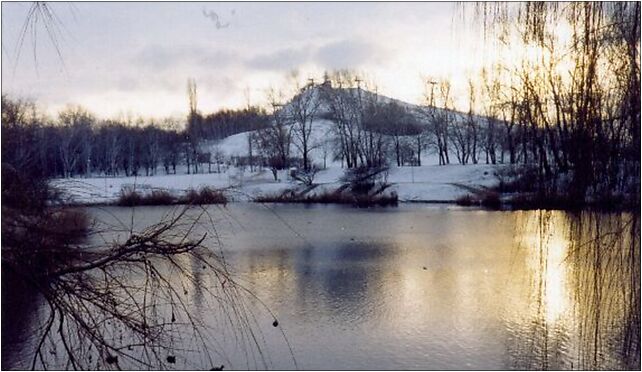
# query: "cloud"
345 53
283 59
162 57
348 54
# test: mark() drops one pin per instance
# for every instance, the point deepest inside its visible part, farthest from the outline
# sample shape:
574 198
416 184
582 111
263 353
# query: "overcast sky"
136 57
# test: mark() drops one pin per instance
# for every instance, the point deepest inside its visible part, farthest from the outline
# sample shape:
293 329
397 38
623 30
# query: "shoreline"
506 207
463 185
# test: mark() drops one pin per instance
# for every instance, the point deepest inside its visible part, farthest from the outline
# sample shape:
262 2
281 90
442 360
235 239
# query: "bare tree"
466 133
439 118
74 142
274 141
573 104
303 108
346 109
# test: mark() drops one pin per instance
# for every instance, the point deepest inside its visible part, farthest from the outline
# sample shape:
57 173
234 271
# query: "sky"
124 58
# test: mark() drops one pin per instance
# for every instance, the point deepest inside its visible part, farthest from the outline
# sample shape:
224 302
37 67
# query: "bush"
362 179
488 199
466 200
206 195
305 177
380 200
517 179
158 197
130 198
491 200
39 244
68 225
332 197
362 187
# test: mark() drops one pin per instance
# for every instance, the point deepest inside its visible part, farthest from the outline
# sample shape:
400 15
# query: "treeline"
227 122
369 130
569 122
76 143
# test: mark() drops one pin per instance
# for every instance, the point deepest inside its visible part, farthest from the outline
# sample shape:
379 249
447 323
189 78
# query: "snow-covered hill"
238 144
430 182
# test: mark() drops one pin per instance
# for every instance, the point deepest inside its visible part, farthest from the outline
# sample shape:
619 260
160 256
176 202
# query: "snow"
430 182
237 144
426 183
107 189
441 183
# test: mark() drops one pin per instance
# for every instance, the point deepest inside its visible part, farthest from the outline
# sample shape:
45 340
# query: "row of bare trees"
371 130
77 144
571 107
365 128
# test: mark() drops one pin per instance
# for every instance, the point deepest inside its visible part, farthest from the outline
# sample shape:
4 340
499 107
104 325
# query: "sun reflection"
555 295
548 249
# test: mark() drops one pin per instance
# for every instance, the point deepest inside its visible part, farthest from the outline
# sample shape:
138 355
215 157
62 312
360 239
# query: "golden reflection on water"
545 242
584 272
523 290
443 289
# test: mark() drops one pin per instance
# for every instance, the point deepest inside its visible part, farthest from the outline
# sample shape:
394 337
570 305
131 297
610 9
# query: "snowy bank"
431 183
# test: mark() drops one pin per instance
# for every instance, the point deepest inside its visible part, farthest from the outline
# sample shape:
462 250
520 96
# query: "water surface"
420 287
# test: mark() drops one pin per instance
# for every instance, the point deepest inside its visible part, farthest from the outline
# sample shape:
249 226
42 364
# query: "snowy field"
421 184
428 183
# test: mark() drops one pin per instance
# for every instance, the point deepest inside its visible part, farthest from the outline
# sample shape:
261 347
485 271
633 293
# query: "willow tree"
577 94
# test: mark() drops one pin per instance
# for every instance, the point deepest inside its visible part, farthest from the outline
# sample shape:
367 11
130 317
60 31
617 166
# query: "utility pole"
432 92
358 81
246 93
276 106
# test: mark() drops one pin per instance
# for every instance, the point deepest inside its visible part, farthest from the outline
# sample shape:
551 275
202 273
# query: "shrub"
205 195
305 177
331 197
130 198
517 179
68 225
362 187
466 200
528 201
159 197
491 200
362 179
42 243
380 200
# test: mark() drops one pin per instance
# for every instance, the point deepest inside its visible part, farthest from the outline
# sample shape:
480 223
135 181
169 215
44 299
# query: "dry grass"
205 195
332 197
157 197
490 200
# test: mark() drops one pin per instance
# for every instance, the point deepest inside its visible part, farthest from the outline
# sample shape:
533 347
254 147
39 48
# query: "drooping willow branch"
127 304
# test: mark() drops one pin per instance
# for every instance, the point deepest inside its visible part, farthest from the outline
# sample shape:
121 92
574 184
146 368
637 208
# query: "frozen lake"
416 287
